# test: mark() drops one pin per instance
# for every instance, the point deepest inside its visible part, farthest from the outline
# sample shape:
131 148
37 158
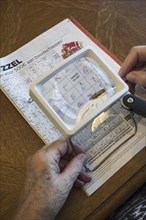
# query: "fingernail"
86 175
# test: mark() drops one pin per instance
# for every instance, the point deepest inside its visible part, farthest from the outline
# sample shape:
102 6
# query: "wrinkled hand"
51 173
133 69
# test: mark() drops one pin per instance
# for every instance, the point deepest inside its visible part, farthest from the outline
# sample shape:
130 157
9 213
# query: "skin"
133 70
51 174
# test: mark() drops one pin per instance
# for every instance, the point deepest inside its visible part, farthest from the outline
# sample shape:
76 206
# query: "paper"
23 66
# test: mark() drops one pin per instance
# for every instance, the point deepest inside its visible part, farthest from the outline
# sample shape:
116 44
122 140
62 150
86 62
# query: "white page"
24 65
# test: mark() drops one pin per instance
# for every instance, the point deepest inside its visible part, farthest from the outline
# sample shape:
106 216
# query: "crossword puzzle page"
113 131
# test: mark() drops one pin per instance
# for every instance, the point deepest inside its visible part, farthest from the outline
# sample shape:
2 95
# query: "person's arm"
51 173
133 69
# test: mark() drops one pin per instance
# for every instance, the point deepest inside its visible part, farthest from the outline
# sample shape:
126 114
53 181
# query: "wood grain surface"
118 25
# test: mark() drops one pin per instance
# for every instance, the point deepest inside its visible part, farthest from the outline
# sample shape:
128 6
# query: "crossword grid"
17 88
71 89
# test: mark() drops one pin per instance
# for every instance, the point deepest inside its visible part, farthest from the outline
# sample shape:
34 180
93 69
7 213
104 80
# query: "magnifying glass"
79 90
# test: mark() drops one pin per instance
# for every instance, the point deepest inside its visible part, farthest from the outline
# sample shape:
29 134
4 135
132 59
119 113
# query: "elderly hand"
132 69
51 173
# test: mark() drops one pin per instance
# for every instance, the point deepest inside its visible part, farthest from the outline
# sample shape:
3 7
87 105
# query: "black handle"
136 104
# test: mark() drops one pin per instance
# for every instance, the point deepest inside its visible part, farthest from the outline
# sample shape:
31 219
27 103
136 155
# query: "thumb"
74 167
137 77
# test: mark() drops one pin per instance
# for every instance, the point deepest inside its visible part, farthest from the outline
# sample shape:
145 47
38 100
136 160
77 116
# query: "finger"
137 77
74 168
58 149
131 87
136 55
79 183
85 177
78 149
50 145
82 179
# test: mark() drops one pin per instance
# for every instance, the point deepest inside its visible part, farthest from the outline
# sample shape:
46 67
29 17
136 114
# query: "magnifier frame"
37 96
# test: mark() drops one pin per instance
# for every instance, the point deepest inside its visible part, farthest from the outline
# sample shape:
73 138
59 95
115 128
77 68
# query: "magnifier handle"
136 104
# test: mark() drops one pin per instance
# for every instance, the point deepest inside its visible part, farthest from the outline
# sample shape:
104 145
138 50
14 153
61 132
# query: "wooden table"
118 25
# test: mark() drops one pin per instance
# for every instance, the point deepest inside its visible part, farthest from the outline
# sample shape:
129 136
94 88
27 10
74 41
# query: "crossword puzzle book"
25 65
